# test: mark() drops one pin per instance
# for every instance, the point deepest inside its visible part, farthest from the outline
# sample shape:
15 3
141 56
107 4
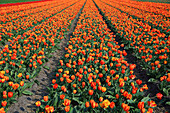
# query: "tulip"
62 96
67 108
159 96
10 94
139 82
101 99
90 92
45 98
141 105
103 89
87 104
22 83
105 103
102 62
112 105
117 96
152 103
3 103
55 86
132 66
67 102
38 103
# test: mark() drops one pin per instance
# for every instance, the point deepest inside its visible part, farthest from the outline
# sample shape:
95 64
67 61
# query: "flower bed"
94 75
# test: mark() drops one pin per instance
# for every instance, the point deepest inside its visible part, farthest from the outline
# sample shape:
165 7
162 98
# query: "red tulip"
45 98
67 102
159 96
3 103
132 66
10 94
55 86
112 105
90 92
139 82
102 62
62 97
87 104
67 108
141 105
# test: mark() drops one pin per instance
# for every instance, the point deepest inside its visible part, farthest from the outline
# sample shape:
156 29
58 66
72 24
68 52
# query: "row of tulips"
149 44
21 7
6 17
94 76
157 21
14 28
156 8
22 59
163 6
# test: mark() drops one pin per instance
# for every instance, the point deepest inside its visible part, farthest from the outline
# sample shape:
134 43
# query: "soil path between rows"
25 103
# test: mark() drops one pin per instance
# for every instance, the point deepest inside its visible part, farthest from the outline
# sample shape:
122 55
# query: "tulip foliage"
23 57
93 75
142 34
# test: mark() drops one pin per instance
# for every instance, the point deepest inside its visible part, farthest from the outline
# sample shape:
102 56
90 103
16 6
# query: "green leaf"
27 73
103 72
152 80
96 111
145 99
75 109
26 92
50 56
30 85
37 82
34 72
6 66
46 67
27 85
42 106
71 110
167 103
130 101
110 96
110 92
56 100
59 48
49 89
77 100
165 91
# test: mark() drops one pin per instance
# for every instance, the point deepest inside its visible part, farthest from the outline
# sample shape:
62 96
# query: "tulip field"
94 74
